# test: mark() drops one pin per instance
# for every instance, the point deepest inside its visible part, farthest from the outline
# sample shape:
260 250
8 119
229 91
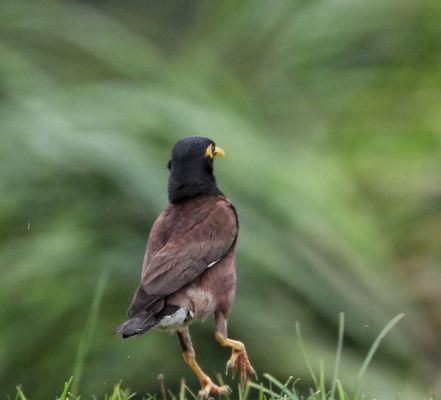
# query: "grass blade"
372 351
321 386
282 386
20 394
262 390
92 318
64 394
305 357
341 392
341 329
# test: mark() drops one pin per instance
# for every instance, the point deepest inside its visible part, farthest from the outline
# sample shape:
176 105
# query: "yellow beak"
217 152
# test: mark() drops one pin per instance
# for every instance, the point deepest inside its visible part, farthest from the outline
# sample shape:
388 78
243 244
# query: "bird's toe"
211 389
231 367
233 364
239 360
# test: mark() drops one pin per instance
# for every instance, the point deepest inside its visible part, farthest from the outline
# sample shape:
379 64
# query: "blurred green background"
330 115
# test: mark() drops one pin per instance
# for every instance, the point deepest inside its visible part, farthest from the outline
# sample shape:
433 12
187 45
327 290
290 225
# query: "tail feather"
137 325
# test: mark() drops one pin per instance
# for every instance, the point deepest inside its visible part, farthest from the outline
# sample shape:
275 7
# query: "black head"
191 169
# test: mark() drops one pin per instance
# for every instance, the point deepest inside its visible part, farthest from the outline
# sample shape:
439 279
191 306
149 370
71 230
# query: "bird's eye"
169 165
213 147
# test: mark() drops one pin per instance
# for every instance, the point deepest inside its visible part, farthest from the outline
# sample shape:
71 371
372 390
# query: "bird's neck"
182 188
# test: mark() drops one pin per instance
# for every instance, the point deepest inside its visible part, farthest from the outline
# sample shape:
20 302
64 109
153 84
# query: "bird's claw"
210 388
230 366
239 359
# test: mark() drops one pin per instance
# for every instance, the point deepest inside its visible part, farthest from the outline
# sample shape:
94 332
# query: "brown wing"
210 232
159 233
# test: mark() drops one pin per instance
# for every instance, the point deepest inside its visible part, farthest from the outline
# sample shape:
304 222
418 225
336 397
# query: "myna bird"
189 270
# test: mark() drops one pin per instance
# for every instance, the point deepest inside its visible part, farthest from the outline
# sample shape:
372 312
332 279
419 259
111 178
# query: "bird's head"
191 168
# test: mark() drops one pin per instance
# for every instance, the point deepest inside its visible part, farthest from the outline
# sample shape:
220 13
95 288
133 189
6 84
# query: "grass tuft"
272 389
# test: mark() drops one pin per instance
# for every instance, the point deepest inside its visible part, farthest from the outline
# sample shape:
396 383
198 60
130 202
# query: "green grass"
268 389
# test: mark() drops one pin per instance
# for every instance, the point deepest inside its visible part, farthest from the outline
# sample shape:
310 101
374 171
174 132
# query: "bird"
189 272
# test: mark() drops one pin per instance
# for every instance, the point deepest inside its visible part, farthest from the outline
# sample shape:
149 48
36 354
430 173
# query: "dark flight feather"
137 325
142 301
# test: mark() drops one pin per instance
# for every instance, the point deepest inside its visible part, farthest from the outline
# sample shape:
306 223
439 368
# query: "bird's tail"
137 325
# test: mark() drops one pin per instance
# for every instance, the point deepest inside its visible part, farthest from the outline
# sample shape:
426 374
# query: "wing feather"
188 253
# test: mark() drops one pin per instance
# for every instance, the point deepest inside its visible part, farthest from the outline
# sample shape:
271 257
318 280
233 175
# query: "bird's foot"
209 388
239 359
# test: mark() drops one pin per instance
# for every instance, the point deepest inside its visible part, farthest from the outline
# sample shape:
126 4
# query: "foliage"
329 115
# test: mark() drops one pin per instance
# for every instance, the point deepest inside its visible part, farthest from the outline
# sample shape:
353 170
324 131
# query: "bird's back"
186 241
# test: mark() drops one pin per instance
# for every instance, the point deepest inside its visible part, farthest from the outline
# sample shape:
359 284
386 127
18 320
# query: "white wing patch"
212 263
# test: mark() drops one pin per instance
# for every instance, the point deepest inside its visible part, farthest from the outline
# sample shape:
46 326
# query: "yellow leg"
239 357
208 387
